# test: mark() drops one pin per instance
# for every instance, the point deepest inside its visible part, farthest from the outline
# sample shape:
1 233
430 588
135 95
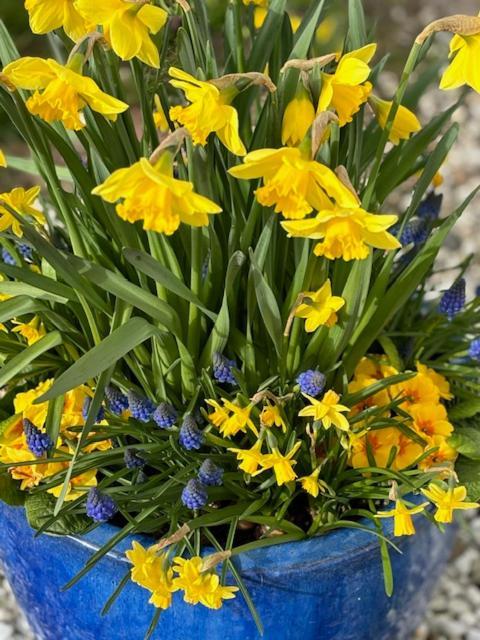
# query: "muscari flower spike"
210 474
474 350
133 460
311 382
429 208
7 257
190 436
222 369
165 415
141 408
25 251
453 300
100 506
415 232
86 407
37 441
194 495
117 401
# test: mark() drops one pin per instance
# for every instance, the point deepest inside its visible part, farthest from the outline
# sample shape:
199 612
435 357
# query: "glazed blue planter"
325 588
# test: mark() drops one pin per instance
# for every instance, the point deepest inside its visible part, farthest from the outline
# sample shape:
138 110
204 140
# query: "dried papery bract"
457 24
319 128
308 65
252 78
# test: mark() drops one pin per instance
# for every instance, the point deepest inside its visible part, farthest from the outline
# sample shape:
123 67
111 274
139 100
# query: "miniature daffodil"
405 121
328 411
403 523
298 117
282 464
20 200
447 500
48 15
319 308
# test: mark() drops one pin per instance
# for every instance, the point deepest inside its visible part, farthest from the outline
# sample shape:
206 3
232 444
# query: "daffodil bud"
404 124
298 117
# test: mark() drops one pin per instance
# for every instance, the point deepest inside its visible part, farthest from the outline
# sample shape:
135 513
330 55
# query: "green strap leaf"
19 362
18 306
267 303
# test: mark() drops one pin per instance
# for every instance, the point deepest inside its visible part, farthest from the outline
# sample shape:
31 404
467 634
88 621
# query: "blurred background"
455 608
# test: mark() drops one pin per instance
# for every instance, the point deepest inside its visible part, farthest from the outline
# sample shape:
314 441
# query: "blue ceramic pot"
325 588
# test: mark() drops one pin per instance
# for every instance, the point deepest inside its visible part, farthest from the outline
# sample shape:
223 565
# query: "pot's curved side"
328 588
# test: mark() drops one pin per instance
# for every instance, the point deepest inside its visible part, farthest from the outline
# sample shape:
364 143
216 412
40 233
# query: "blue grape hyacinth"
117 401
430 207
7 257
223 369
453 300
141 408
194 495
311 382
416 231
37 441
190 436
210 474
165 415
133 460
86 407
474 350
100 507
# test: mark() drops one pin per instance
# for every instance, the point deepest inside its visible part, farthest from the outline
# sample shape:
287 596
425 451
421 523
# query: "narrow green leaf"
18 306
19 362
268 306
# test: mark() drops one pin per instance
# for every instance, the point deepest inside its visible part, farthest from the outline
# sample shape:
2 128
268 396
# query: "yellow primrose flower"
199 585
408 452
127 26
463 69
442 384
404 124
282 464
32 331
159 117
36 413
238 419
30 475
298 117
379 399
3 160
60 93
209 111
447 501
346 90
151 193
48 15
271 416
77 486
327 411
377 442
403 523
377 368
430 419
293 184
310 483
21 200
418 390
345 230
319 308
444 453
249 459
149 571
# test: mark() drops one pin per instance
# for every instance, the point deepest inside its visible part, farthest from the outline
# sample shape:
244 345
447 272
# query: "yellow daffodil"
219 415
442 384
293 184
30 475
150 572
447 501
404 124
418 390
150 193
32 331
259 15
319 308
60 93
257 3
127 26
376 444
346 90
298 117
48 15
77 486
238 419
282 464
327 411
345 230
442 455
249 459
159 117
24 404
21 200
430 419
463 69
271 416
209 111
310 483
3 160
403 523
199 585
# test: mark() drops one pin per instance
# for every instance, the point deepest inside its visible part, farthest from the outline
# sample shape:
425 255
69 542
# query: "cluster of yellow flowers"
14 449
420 398
195 577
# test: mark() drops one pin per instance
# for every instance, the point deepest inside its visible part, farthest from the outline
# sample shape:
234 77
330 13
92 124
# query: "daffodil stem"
195 284
238 37
397 100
